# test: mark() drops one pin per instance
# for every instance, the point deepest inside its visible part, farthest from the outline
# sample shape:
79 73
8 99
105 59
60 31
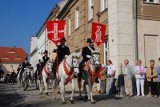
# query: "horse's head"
49 66
75 62
95 57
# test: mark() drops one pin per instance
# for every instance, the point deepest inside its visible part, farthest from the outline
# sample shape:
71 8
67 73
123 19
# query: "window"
106 51
90 9
69 26
77 17
104 5
151 1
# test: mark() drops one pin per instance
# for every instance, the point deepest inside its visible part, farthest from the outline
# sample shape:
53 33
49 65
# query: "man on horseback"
24 65
39 68
45 58
19 68
86 51
63 51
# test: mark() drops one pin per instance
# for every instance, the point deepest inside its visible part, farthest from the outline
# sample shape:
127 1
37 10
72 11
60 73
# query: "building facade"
148 30
118 16
121 21
34 51
11 58
42 36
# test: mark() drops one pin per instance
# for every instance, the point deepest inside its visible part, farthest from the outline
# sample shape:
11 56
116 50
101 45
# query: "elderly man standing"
128 74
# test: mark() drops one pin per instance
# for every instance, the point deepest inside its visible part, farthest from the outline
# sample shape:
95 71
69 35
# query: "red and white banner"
55 30
98 33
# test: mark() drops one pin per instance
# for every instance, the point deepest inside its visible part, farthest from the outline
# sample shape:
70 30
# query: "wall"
120 19
150 28
6 67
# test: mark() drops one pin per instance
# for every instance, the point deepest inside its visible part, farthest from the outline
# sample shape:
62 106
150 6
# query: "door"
151 48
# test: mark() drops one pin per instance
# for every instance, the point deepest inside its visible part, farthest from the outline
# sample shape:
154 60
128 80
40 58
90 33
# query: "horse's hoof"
72 101
93 102
64 102
86 97
80 98
54 98
46 93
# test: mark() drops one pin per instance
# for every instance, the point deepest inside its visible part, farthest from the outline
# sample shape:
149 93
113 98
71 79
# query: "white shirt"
138 71
111 69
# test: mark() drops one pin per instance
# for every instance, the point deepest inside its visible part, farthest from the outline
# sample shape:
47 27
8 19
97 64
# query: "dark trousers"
54 67
158 87
153 87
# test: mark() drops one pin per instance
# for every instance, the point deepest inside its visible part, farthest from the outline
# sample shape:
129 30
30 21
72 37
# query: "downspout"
135 29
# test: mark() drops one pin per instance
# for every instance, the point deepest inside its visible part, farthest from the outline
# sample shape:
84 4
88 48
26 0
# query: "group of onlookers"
141 75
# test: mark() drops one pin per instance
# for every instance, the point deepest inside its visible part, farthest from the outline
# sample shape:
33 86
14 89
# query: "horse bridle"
72 66
93 58
48 67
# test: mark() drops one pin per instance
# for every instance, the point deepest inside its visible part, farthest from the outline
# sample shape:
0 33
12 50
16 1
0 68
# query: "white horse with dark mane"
67 69
27 77
19 78
46 76
89 73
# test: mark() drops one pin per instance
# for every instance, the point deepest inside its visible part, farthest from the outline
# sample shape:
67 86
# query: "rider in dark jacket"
85 52
45 58
39 68
24 65
63 51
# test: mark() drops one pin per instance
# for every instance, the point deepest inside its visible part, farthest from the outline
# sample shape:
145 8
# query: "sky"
22 19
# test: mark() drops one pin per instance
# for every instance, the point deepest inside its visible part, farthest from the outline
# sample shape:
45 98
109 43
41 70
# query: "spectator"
110 76
151 75
128 74
140 77
103 78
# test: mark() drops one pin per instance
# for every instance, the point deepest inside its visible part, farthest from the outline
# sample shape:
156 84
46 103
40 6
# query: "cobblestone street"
11 96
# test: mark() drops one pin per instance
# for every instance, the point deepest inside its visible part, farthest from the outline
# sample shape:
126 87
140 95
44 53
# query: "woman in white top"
110 76
140 77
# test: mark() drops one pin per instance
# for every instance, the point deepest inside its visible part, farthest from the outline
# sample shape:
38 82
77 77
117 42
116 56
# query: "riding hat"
89 40
64 39
46 52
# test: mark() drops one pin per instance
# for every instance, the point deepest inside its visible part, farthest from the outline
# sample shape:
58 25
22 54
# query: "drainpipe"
135 30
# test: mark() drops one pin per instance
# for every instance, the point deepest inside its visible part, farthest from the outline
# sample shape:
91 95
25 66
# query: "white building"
34 51
41 35
37 46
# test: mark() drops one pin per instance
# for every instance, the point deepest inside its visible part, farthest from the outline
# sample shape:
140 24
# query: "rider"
85 52
24 65
63 51
45 58
39 68
19 69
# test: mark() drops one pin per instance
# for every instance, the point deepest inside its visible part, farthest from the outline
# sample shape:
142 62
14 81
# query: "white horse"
89 74
19 78
66 71
46 73
26 78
